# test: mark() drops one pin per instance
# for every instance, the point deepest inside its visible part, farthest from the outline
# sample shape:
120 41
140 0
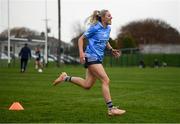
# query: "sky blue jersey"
98 37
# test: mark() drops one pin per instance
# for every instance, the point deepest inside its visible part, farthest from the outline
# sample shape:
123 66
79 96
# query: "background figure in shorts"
38 64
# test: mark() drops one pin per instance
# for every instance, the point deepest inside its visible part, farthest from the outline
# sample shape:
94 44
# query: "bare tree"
20 32
149 31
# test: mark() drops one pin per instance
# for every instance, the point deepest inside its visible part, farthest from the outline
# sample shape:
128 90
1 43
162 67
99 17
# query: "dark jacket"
25 53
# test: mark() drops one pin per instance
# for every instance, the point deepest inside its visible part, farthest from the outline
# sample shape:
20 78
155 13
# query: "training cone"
16 106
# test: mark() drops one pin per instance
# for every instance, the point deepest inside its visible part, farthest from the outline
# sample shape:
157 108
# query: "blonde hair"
96 16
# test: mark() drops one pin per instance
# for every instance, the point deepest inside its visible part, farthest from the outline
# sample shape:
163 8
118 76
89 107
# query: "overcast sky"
31 13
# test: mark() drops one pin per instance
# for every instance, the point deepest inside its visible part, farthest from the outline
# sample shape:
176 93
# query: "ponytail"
96 16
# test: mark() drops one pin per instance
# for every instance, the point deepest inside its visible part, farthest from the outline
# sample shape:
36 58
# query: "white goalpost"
23 39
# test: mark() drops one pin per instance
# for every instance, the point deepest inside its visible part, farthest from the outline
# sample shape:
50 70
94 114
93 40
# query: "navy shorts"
86 64
37 59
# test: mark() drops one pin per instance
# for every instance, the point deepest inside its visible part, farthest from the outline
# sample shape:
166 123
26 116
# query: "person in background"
98 35
25 55
38 64
142 64
156 63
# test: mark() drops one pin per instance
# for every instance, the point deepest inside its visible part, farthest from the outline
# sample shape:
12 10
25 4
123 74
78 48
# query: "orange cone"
16 106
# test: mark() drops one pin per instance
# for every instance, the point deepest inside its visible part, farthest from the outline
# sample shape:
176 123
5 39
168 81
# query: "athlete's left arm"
115 52
109 47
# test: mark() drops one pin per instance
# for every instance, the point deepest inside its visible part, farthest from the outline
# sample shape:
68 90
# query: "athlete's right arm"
81 52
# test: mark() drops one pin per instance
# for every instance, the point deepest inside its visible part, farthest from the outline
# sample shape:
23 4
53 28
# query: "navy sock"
68 78
109 104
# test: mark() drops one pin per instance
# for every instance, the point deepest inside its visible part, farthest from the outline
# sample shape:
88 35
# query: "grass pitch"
148 95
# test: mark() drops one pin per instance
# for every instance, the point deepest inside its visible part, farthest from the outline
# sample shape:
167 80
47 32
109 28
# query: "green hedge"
133 59
125 60
170 59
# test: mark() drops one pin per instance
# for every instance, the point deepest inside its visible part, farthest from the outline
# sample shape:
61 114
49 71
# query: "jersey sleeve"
90 31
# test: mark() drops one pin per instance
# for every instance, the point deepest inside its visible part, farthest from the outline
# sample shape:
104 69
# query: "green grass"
148 95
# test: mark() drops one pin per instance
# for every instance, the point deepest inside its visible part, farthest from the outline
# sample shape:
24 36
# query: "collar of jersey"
102 25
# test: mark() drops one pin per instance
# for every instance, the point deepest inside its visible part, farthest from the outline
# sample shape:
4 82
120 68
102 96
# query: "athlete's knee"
87 86
106 81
